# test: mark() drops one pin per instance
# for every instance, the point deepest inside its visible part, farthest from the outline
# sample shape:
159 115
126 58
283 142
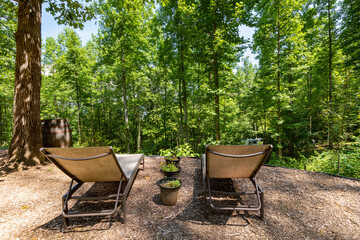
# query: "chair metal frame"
258 191
66 213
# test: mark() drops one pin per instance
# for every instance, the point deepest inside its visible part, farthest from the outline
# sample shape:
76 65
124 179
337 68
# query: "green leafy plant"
184 150
171 184
169 167
166 152
346 161
172 158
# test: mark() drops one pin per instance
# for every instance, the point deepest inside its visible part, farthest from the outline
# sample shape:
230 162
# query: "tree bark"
27 139
137 109
279 140
1 126
309 82
139 134
330 131
125 105
181 135
165 116
78 107
184 95
216 88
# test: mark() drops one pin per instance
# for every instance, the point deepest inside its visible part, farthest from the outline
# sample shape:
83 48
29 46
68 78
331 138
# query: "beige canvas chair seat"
94 164
235 161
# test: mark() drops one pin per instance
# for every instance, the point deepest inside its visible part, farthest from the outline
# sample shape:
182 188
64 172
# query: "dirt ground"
298 205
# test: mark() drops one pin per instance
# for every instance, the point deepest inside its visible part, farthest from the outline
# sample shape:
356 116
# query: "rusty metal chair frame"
66 213
258 191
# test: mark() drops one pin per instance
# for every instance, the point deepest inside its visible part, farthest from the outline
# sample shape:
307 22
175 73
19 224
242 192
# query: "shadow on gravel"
84 224
199 210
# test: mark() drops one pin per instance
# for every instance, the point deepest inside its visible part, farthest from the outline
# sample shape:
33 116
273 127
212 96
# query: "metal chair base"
259 196
66 214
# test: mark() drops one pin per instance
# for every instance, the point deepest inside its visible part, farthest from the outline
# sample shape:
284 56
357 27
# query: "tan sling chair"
94 164
235 161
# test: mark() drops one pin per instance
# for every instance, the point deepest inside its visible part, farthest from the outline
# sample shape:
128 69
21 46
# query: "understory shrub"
184 150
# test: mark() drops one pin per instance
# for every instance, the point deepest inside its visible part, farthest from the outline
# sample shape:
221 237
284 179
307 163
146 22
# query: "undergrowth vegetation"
344 161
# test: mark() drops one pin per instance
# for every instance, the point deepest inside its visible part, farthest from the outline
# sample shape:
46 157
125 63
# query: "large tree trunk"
27 139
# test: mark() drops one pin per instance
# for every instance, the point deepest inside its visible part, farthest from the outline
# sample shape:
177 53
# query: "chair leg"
124 208
262 205
143 164
65 205
65 222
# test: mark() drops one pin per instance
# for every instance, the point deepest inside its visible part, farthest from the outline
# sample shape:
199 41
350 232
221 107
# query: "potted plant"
169 190
170 170
172 159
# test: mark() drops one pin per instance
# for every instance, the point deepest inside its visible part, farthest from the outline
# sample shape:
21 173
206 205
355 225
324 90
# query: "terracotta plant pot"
172 173
169 196
175 161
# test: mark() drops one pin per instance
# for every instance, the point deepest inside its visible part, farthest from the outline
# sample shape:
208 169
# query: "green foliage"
172 158
171 184
70 12
153 79
350 32
166 152
66 85
286 162
328 161
169 167
8 25
347 161
184 150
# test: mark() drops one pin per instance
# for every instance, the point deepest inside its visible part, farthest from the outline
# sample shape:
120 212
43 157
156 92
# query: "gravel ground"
298 205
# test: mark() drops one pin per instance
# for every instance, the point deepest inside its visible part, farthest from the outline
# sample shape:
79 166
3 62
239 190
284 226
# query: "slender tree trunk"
137 108
309 82
279 140
165 116
330 131
346 96
78 108
2 130
55 106
6 124
139 134
184 95
110 124
27 139
181 136
92 122
99 121
216 88
125 106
